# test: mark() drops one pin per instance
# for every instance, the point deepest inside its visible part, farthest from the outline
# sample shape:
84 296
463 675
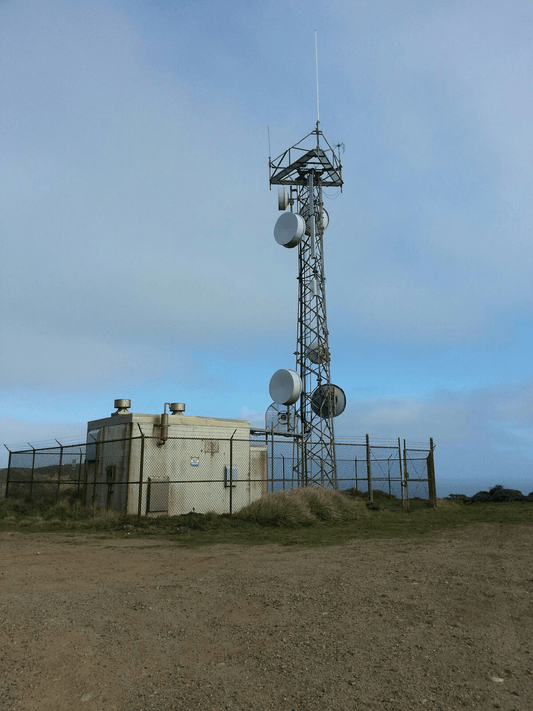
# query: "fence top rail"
58 446
102 484
47 450
380 441
42 452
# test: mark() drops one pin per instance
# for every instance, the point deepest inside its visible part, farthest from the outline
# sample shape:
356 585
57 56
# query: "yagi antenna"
316 74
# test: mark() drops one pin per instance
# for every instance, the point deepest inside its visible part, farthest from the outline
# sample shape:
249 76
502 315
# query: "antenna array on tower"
311 400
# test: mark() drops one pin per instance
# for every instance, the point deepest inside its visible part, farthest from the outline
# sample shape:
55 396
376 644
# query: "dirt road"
443 621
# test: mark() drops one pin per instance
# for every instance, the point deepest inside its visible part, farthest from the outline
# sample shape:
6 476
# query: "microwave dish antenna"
324 217
328 401
318 352
280 419
285 387
289 229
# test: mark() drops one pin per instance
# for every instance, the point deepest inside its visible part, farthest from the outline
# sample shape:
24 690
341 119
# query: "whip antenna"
316 74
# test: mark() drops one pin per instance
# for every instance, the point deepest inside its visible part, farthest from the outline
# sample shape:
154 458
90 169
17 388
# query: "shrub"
497 494
354 493
480 497
376 494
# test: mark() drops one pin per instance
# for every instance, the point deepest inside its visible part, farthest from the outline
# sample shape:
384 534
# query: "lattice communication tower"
312 401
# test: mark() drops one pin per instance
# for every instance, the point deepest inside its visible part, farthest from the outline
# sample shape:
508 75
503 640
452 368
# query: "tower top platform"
293 166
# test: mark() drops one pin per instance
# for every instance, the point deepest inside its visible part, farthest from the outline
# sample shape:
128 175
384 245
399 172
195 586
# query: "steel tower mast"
306 168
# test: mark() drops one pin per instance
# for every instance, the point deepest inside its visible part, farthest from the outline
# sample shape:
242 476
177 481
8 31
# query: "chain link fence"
141 475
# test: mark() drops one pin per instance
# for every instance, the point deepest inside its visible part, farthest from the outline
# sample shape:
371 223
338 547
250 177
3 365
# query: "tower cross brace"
307 171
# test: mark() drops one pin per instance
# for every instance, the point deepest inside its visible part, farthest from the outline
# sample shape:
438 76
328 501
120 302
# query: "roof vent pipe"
176 408
164 429
122 407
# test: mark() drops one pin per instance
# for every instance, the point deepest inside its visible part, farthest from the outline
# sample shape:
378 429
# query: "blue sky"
137 224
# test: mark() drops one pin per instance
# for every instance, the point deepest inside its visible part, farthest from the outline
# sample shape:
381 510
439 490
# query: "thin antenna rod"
316 73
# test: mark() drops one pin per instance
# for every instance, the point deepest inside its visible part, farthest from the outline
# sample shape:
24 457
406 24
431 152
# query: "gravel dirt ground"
443 621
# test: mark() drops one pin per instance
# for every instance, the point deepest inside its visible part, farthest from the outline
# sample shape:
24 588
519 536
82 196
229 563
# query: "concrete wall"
112 450
194 460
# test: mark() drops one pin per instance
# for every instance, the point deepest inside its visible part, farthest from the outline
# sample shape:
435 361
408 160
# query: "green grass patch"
311 516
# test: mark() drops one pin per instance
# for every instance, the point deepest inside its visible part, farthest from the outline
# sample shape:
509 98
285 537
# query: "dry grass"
302 507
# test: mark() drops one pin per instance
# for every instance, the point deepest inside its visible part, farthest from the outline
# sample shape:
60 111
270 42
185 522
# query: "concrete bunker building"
172 463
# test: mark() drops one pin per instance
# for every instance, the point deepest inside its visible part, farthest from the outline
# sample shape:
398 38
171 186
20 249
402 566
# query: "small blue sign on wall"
194 461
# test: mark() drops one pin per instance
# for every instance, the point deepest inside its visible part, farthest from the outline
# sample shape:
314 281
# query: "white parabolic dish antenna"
285 387
289 229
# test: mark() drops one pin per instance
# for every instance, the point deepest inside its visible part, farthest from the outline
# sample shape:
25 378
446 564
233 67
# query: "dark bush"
194 520
481 497
376 494
498 494
379 494
373 506
354 493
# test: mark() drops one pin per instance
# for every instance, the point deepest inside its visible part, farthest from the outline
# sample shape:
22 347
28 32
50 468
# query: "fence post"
59 469
401 472
406 478
8 473
141 474
283 470
32 473
369 471
231 473
356 480
271 460
431 474
79 473
85 478
95 477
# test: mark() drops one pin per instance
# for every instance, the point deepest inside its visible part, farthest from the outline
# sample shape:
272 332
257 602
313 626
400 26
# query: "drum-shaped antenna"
318 352
328 401
283 199
289 229
325 219
285 387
